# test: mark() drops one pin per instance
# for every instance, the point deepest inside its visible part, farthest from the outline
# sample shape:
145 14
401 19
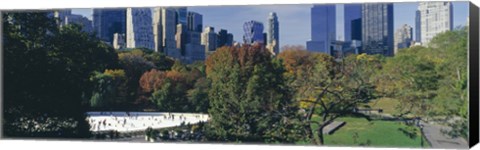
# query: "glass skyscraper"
418 20
181 15
323 28
273 33
352 17
377 28
253 32
224 38
194 22
107 22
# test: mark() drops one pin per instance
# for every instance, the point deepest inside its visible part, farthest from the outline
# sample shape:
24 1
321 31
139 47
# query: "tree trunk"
320 135
310 135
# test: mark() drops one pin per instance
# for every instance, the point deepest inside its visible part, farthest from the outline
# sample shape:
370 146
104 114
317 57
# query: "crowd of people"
139 121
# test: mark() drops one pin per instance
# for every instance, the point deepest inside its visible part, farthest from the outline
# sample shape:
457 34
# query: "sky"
294 20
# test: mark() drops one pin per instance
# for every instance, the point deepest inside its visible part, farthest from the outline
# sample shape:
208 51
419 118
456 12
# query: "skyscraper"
435 17
418 20
194 22
181 38
209 40
169 26
323 28
139 28
181 15
273 42
377 28
164 24
106 22
224 38
352 17
403 38
253 32
194 50
157 29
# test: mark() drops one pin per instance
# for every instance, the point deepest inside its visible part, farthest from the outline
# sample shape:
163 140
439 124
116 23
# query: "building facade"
139 28
107 22
418 20
323 28
224 38
352 21
403 38
194 22
377 29
119 41
435 17
209 40
273 34
181 15
165 26
157 29
253 32
194 50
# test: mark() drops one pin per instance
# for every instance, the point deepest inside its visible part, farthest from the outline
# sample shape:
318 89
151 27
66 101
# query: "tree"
47 73
134 65
414 81
110 90
198 96
248 99
332 89
181 89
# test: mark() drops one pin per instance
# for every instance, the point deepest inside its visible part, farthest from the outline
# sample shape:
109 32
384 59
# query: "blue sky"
294 19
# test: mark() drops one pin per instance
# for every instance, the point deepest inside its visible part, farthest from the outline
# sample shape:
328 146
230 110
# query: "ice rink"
140 121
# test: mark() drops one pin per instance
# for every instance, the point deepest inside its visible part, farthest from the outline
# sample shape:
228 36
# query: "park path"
437 139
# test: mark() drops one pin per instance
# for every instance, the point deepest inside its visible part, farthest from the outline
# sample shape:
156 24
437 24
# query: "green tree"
331 89
248 97
47 73
414 80
110 90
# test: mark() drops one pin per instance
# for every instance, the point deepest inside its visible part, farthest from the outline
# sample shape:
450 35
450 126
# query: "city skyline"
292 31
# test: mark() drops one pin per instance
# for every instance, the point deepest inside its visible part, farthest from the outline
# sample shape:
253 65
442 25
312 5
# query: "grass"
374 133
388 105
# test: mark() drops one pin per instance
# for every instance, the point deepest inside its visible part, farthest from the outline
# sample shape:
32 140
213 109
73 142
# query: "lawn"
388 105
374 133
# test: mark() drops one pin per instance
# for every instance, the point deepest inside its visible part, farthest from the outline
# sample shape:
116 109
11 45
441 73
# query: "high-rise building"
80 20
356 30
377 28
181 38
118 41
435 17
273 35
323 28
107 22
194 22
194 50
224 38
139 28
418 21
164 24
157 29
352 17
403 38
209 40
181 15
253 32
169 26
